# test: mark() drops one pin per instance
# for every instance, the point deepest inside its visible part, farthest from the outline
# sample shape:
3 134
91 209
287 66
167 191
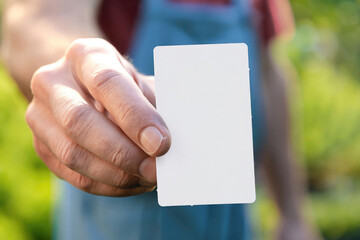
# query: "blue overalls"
84 216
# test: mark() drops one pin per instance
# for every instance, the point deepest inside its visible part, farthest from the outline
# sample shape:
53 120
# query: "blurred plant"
326 56
329 29
24 179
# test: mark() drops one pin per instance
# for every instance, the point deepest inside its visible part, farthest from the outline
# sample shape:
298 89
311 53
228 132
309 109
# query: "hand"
94 121
291 229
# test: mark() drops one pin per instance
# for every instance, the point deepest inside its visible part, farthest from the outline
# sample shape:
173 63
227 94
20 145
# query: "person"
92 110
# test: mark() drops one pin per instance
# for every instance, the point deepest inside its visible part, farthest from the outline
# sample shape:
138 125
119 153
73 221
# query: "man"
94 120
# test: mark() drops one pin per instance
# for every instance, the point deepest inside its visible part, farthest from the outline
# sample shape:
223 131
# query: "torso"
161 22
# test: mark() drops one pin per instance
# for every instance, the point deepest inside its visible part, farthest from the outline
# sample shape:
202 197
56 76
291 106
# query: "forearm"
38 32
283 176
284 183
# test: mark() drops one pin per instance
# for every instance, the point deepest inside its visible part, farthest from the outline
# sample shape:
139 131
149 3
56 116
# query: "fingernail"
151 139
147 169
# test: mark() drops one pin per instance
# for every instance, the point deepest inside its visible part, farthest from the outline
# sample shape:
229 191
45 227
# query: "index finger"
97 65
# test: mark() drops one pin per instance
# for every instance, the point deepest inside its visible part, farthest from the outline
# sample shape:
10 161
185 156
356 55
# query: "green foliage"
326 56
329 29
24 180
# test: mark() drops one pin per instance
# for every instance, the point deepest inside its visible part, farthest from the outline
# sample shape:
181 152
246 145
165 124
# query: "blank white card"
203 94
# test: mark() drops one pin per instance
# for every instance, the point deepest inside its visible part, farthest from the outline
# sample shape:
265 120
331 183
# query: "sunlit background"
323 61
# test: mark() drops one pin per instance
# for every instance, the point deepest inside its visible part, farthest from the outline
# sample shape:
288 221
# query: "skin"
284 179
91 113
89 108
97 120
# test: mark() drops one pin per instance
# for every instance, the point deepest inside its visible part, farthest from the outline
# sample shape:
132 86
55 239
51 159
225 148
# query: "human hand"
94 121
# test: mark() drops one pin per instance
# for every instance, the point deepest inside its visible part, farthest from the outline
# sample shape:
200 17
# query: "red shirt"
272 18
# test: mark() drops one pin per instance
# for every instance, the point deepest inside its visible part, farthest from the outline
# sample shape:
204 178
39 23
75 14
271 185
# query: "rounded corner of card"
156 50
253 198
244 45
161 203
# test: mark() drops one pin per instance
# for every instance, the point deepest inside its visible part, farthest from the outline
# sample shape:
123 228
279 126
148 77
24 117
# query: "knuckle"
75 118
83 46
84 183
40 79
40 150
29 115
68 154
120 157
101 80
128 113
77 47
126 180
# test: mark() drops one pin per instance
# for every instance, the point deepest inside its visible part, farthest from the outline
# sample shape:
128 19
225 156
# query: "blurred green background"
325 65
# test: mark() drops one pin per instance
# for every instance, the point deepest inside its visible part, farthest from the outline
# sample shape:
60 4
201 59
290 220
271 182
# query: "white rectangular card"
203 94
